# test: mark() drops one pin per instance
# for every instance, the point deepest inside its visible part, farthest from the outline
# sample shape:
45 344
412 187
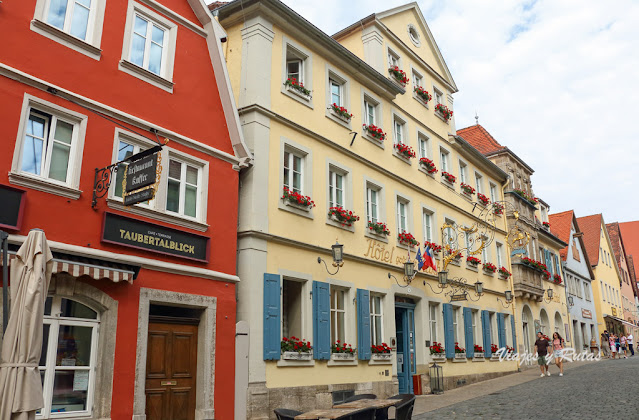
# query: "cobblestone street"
592 390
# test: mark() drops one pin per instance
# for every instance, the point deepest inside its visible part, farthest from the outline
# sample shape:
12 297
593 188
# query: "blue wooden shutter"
321 320
272 324
485 324
501 330
468 329
512 325
363 324
449 335
548 261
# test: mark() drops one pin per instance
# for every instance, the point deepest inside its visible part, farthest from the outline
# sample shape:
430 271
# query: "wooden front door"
171 366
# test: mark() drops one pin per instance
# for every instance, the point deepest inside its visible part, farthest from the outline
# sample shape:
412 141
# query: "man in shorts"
630 339
541 348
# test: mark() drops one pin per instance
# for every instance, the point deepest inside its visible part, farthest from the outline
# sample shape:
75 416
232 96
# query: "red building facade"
140 320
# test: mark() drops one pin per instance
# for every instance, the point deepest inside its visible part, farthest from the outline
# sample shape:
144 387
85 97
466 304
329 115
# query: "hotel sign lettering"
147 236
586 313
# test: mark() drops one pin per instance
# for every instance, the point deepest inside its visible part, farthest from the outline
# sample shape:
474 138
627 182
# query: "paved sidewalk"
427 403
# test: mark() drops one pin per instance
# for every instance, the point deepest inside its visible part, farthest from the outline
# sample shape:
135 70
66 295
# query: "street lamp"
549 292
508 295
337 252
409 273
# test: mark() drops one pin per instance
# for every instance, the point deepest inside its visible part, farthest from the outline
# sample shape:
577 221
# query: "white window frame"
376 341
399 131
457 337
370 118
433 310
499 252
165 79
463 172
417 77
89 46
55 321
292 154
438 95
423 144
493 192
68 188
303 286
479 183
393 58
340 91
428 218
370 189
399 202
341 80
334 327
333 173
476 333
444 157
294 51
184 165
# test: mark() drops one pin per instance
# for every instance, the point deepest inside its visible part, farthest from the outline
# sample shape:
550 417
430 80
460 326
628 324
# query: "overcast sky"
555 81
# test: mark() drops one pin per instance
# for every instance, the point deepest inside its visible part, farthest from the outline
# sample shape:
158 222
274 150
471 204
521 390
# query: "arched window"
67 363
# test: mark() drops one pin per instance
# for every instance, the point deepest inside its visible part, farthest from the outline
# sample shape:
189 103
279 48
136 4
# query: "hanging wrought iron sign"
458 297
141 179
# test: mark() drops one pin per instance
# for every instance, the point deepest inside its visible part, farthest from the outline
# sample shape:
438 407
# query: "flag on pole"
429 258
420 260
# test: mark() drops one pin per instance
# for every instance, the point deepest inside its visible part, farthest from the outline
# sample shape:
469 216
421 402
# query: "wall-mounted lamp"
479 291
508 295
442 282
337 252
549 292
409 273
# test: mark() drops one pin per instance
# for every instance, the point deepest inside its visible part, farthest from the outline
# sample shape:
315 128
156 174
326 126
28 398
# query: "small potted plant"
483 200
341 112
472 261
342 351
293 84
294 348
422 94
467 189
504 273
556 279
490 267
298 200
546 225
437 352
404 150
478 352
381 353
407 239
498 209
460 353
378 228
429 165
342 216
443 110
375 132
399 75
450 178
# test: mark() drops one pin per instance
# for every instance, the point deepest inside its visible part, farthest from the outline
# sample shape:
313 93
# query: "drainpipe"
512 281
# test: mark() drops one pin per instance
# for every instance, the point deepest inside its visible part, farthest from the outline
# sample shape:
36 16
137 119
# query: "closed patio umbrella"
20 384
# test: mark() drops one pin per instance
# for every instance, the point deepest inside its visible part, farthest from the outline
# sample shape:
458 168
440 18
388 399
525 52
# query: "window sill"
422 169
447 183
295 209
494 358
376 236
502 277
460 359
420 100
335 223
456 263
479 358
297 95
441 117
333 116
401 157
406 247
145 75
372 139
398 83
440 359
381 359
166 217
66 39
488 273
43 184
342 359
467 196
472 267
295 363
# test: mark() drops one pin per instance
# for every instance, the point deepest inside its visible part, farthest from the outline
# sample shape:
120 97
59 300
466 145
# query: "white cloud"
555 81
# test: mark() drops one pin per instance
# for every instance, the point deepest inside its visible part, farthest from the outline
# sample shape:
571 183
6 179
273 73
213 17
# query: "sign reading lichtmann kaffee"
134 233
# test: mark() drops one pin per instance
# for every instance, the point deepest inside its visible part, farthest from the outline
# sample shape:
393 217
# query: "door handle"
168 383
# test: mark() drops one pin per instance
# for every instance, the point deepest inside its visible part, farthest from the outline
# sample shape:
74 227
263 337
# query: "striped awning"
96 269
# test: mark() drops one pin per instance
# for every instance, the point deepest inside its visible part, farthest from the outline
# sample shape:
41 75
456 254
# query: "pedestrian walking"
618 345
605 345
541 348
613 346
622 342
630 339
557 347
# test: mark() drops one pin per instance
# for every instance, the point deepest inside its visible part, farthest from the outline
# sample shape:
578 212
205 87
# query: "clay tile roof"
613 232
591 227
560 224
630 235
480 139
217 4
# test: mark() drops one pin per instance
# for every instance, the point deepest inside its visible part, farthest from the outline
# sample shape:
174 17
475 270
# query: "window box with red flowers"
398 75
504 273
498 209
294 86
443 111
545 274
342 216
341 112
404 151
428 165
381 354
449 178
460 354
294 348
546 226
437 352
489 268
422 95
531 201
407 239
374 134
378 228
556 279
457 259
493 349
297 200
534 264
436 248
483 200
467 189
472 262
342 354
478 355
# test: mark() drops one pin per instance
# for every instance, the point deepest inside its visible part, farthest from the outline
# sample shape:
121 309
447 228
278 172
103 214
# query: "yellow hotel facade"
302 145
